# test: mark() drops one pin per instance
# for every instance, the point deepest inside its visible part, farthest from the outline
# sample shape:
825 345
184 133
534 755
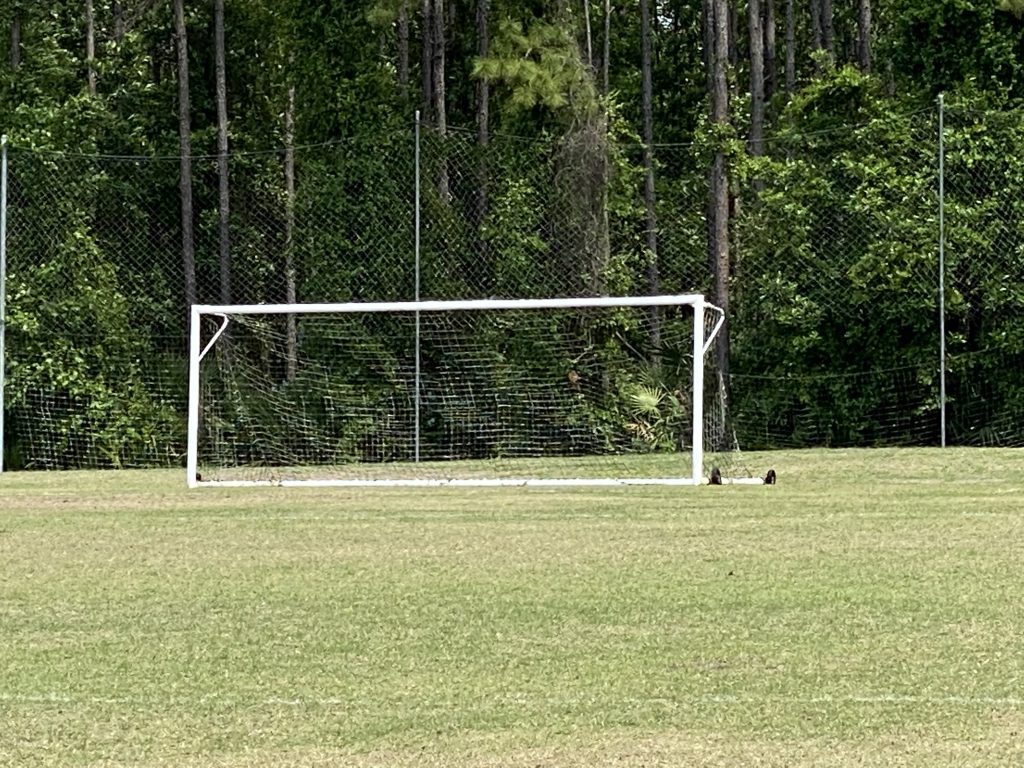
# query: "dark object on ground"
716 477
769 479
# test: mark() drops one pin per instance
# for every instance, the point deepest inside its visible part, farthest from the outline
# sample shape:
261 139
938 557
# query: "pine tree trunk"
827 30
427 58
483 90
647 97
440 112
188 254
403 49
588 36
756 142
117 11
864 34
653 275
771 70
816 38
291 294
719 234
708 55
607 53
483 138
90 47
790 49
224 197
603 244
733 32
16 40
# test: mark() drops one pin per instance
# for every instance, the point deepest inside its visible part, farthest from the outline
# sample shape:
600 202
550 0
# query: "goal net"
491 392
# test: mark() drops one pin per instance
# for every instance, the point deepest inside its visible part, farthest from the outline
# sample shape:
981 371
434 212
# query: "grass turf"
865 611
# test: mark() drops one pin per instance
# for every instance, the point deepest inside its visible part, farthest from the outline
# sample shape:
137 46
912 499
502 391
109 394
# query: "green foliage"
513 230
833 232
841 193
938 46
540 64
77 349
838 99
1016 7
658 417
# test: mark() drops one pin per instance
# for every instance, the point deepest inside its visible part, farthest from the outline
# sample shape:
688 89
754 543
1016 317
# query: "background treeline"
780 156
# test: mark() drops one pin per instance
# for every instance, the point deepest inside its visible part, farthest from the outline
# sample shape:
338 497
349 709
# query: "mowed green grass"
867 610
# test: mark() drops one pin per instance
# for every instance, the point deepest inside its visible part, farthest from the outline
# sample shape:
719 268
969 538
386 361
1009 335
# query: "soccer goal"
579 391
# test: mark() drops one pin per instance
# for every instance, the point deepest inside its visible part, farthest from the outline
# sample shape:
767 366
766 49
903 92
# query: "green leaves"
939 46
658 416
541 65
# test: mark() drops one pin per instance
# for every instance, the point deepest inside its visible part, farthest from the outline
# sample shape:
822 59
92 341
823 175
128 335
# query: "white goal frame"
701 344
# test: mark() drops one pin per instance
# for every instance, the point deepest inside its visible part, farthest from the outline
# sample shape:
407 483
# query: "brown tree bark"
718 241
427 58
589 39
734 32
482 86
224 195
438 89
864 34
16 40
771 70
483 138
90 47
816 37
188 255
483 89
756 32
653 275
827 29
790 49
117 11
403 49
291 294
607 52
708 55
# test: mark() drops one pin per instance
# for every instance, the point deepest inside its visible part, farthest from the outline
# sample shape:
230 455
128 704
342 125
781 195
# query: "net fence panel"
833 325
984 176
354 230
95 313
530 218
834 289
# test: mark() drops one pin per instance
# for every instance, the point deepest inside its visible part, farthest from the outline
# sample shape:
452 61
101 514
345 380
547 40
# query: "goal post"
558 391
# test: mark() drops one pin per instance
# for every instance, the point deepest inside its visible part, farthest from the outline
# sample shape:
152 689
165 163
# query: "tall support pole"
416 291
697 397
942 274
3 288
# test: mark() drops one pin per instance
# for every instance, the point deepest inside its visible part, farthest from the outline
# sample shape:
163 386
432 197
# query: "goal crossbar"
454 305
701 343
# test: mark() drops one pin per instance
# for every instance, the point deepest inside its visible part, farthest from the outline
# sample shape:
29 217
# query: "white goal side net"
587 391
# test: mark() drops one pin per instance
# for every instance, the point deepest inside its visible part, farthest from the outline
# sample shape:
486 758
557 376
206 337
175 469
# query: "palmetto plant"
658 416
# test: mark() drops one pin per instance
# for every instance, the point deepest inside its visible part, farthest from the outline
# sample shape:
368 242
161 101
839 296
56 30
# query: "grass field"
867 610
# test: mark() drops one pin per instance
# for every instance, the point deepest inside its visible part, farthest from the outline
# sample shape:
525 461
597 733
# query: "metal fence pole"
942 275
3 288
416 288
